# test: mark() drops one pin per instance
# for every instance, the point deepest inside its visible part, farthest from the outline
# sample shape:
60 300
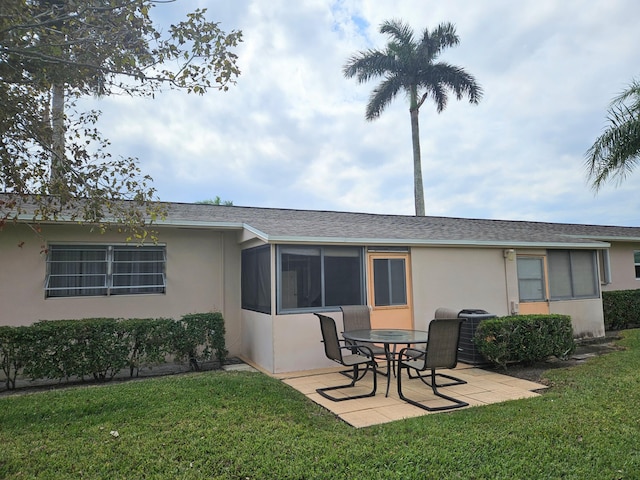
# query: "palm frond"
616 152
445 76
368 64
382 96
399 31
432 43
631 92
438 93
462 83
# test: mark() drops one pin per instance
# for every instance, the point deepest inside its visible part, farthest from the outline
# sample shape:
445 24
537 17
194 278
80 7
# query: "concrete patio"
483 387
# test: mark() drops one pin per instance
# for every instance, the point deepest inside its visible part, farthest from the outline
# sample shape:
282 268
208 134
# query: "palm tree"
616 152
410 66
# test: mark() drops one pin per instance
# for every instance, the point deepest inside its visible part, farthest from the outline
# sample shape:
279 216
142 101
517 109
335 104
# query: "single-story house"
268 269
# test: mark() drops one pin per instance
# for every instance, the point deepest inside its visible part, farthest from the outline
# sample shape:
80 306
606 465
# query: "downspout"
510 279
224 276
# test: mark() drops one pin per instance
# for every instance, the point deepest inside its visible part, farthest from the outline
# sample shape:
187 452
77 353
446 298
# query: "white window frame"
604 264
107 273
636 263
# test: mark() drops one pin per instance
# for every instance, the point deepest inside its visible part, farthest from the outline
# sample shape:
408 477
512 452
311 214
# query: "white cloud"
292 132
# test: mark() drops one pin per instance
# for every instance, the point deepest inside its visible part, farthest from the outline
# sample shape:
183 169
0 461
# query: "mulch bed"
586 349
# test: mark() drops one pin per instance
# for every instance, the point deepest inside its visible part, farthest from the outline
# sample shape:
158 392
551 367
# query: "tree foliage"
217 201
100 47
616 152
411 66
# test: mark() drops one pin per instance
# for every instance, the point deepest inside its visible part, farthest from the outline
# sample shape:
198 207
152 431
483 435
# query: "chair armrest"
411 353
358 349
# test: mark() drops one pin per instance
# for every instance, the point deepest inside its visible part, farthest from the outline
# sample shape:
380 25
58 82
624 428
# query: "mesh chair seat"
357 317
347 355
441 352
354 359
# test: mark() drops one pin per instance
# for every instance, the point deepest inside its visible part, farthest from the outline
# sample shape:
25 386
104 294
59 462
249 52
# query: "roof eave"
597 241
432 242
607 238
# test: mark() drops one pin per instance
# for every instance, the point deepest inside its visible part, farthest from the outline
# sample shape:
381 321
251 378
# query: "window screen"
572 274
531 283
389 279
256 279
313 277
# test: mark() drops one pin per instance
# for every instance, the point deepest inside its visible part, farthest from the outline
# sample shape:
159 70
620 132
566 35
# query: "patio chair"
444 312
357 317
441 352
347 355
441 312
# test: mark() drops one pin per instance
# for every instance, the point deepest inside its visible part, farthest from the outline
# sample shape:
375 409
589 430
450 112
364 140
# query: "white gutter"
433 243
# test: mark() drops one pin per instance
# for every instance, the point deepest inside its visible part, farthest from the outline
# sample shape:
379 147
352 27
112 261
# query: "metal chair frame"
357 356
441 352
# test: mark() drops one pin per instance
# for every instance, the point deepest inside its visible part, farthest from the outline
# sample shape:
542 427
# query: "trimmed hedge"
149 341
196 330
102 347
525 338
61 349
621 309
13 352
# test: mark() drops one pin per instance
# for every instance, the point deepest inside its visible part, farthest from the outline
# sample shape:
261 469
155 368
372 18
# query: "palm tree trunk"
418 189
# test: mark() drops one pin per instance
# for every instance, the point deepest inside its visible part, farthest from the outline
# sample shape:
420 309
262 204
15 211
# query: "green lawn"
249 426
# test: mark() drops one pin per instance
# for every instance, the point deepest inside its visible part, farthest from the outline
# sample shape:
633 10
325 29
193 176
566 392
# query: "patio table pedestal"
390 338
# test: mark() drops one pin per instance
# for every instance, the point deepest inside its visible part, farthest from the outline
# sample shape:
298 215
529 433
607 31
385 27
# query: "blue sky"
292 133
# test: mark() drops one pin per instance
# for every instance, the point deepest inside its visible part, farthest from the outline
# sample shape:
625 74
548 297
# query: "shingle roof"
277 225
286 225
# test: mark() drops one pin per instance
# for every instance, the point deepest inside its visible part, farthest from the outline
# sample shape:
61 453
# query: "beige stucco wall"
203 274
257 339
623 273
297 341
487 279
587 317
453 277
460 278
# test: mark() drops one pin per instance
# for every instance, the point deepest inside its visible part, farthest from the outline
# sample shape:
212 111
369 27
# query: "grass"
226 425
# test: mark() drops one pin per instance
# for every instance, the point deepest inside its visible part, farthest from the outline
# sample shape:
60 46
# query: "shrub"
50 353
525 338
76 348
205 330
149 341
13 352
621 309
105 348
102 347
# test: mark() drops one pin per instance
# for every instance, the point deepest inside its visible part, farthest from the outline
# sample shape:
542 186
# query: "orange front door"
389 289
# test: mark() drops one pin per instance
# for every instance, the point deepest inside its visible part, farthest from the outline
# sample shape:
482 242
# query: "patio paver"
483 387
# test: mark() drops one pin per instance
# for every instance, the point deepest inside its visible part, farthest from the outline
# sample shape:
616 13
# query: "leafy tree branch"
54 162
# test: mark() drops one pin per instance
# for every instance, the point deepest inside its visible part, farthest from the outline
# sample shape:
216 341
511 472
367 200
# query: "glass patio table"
390 338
